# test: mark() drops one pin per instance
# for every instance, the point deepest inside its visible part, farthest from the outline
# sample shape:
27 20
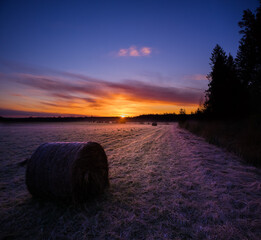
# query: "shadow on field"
33 218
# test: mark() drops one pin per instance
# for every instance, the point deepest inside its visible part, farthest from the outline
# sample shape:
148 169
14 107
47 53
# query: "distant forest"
234 88
167 117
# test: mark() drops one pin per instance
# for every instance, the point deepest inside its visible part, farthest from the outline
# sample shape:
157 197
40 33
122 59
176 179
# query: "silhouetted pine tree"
234 89
215 101
224 95
249 59
235 86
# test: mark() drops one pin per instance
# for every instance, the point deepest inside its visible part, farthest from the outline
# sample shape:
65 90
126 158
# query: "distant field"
166 183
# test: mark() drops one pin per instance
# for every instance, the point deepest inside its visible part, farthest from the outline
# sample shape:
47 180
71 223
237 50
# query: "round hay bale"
67 171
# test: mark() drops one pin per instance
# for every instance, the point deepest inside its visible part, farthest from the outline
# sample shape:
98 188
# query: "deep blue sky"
86 36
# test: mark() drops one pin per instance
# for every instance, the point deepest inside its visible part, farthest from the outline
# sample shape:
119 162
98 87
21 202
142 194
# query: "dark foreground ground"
166 183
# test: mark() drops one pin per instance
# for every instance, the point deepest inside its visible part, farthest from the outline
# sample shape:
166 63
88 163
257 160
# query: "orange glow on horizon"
112 106
111 100
112 110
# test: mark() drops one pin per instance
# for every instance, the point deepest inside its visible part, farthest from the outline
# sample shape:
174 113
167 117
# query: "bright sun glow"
122 116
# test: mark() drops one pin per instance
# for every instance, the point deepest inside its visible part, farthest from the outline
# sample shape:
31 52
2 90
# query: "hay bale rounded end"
71 172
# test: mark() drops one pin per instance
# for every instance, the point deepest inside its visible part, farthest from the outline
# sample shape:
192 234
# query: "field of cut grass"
165 183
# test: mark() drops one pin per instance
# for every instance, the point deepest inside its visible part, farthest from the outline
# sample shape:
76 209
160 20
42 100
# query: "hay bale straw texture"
73 171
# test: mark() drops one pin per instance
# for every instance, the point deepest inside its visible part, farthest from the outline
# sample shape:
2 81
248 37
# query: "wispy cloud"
58 105
196 77
66 92
17 113
133 90
133 51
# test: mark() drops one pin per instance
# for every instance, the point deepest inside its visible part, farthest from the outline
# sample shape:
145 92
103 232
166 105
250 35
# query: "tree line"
234 87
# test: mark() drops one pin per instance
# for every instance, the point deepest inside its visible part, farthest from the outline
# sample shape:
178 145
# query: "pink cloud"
133 51
145 51
123 52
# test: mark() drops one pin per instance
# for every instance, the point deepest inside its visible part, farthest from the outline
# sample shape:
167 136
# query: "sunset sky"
111 58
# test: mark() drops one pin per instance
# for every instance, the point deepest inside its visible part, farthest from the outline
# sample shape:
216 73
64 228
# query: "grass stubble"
165 184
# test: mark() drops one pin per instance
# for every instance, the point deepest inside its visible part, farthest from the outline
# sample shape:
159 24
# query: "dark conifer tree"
234 89
249 59
235 86
215 95
224 95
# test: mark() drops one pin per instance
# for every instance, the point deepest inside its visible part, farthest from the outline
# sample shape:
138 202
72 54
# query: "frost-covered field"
165 184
